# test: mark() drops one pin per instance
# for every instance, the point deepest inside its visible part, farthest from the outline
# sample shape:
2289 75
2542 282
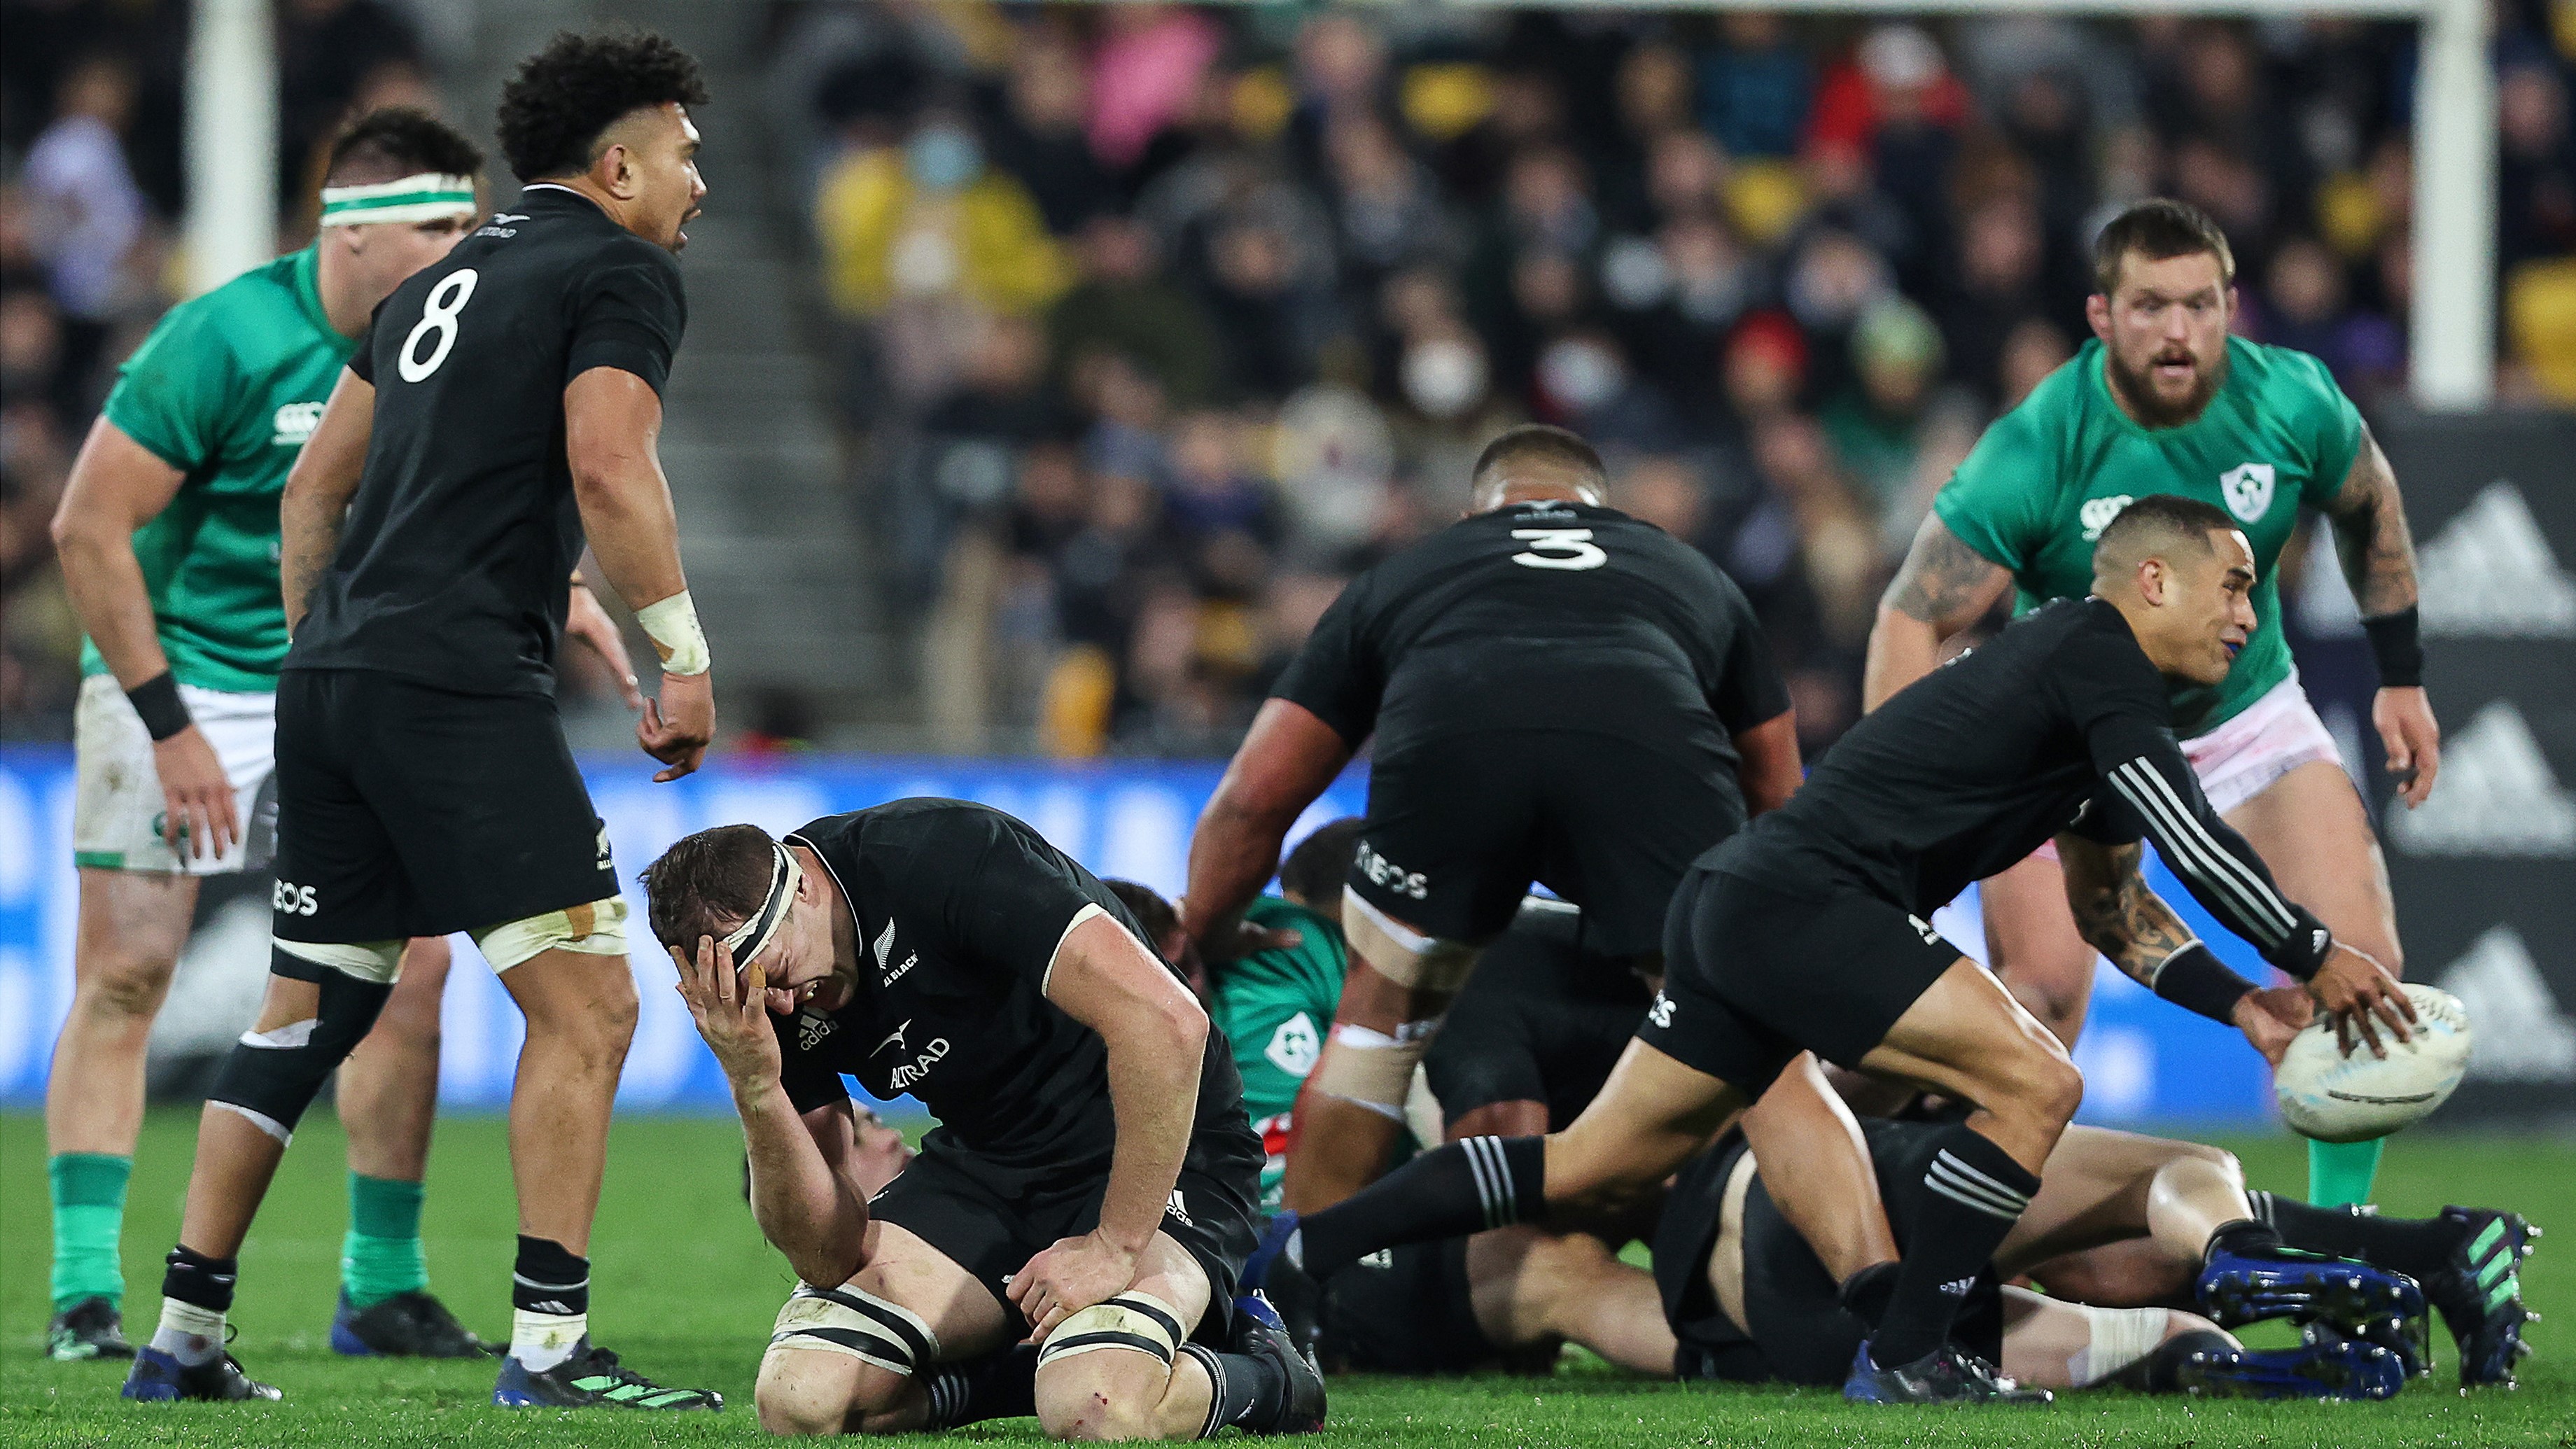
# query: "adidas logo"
2495 796
2489 572
1958 1287
2497 982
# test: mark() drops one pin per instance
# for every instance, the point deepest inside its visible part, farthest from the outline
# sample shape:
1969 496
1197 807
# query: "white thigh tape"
1401 954
377 962
595 929
858 1323
2121 1337
1135 1322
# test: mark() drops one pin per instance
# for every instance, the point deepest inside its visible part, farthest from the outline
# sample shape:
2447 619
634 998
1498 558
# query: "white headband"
753 936
428 196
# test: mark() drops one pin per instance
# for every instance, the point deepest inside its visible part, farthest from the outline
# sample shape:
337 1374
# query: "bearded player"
2166 401
168 536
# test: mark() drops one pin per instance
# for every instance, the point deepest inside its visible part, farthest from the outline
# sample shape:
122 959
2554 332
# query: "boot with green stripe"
2480 1293
592 1378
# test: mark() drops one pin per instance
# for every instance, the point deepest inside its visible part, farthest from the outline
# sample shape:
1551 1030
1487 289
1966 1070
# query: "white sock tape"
672 624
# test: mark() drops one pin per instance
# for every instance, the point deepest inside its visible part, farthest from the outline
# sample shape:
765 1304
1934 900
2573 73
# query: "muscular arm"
1767 763
2371 537
2115 912
117 486
1288 757
1156 1033
806 1204
1943 587
318 489
612 423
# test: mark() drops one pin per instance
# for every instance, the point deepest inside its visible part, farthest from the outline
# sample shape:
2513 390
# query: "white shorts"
2268 739
117 801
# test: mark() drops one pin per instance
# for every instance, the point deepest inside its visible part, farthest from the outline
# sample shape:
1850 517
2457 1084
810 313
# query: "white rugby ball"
2332 1097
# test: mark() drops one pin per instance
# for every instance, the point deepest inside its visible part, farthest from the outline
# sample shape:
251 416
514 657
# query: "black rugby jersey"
959 910
2058 724
1557 616
451 570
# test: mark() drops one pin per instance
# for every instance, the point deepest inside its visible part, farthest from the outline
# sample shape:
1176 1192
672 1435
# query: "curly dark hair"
393 142
567 95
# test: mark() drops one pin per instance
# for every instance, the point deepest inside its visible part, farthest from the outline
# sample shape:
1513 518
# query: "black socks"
547 1279
2417 1247
200 1280
2243 1236
998 1386
1448 1192
1244 1390
1965 1203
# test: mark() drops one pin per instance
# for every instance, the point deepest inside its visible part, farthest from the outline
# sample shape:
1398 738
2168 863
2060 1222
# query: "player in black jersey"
1806 931
1090 1187
1557 692
504 400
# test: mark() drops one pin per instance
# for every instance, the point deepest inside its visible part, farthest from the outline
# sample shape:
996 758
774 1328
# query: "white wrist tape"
672 624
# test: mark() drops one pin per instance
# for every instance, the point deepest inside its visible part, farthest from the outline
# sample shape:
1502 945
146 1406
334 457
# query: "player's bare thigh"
2033 945
1726 1257
2096 1190
1126 1394
819 1391
1651 1115
2310 828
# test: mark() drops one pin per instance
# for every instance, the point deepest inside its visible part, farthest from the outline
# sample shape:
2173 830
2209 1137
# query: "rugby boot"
407 1325
2479 1293
1259 1333
2411 1339
1946 1375
159 1378
90 1328
1294 1297
2327 1366
592 1378
2238 1288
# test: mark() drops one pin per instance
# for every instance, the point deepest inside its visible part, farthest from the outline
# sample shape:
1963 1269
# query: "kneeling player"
1090 1187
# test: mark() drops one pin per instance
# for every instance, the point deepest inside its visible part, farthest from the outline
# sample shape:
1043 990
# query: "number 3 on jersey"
1559 548
438 322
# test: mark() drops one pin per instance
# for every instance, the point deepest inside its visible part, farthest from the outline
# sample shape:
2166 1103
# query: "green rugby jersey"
2039 486
226 390
1274 1007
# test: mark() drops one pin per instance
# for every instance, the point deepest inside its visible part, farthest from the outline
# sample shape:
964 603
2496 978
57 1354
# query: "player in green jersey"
2164 400
168 536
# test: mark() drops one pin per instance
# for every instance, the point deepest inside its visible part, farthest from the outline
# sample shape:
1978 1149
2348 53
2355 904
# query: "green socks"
2340 1173
89 1211
381 1255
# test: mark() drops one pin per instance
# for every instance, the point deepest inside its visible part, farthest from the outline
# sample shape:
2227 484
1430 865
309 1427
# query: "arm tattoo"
2119 917
2371 536
1944 582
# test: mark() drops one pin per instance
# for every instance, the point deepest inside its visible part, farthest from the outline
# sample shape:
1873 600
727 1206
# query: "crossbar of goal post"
2452 309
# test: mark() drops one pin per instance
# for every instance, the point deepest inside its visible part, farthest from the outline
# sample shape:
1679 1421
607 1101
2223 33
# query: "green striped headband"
425 197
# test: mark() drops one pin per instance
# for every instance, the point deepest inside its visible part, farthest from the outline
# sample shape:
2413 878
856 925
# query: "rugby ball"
2332 1097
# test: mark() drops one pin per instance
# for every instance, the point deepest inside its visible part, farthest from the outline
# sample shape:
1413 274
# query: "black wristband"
2394 642
157 701
2198 982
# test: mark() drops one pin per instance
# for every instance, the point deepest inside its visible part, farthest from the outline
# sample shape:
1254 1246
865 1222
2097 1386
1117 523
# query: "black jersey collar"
554 194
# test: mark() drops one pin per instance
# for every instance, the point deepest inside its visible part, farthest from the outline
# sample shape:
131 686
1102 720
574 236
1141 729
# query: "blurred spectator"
335 59
1039 136
2537 183
2032 350
1877 424
85 212
1144 75
1997 287
1123 307
2304 304
1754 85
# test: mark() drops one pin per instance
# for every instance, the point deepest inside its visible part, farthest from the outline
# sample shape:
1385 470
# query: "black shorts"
1540 1021
990 1220
1459 827
1755 972
1405 1310
404 810
1796 1329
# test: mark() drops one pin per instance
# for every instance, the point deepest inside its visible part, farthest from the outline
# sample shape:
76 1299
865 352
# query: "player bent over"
2166 401
1089 1190
501 412
1806 932
168 536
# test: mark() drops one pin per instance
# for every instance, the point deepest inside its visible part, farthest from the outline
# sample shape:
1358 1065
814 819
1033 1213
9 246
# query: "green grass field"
685 1290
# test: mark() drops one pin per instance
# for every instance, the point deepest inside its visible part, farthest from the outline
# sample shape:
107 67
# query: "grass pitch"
685 1290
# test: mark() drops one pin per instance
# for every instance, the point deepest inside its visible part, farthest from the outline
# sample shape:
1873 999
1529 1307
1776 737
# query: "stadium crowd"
1154 323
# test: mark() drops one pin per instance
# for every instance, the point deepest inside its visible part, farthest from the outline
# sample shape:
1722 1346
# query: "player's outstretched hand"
677 727
196 798
2270 1019
2412 738
590 624
732 1014
2360 995
1070 1277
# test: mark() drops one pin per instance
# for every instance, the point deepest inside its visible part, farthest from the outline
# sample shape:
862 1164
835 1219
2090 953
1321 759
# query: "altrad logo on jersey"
907 1073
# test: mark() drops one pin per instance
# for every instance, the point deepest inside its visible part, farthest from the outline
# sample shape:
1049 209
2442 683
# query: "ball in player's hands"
2333 1097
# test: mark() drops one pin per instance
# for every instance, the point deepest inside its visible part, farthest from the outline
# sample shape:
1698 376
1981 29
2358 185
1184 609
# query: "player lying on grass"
1067 1243
1806 932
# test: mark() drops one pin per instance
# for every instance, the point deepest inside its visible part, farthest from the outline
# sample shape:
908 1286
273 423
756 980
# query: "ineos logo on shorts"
1389 875
289 899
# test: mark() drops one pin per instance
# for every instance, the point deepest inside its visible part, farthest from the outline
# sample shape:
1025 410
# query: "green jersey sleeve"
177 394
2000 502
2332 421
